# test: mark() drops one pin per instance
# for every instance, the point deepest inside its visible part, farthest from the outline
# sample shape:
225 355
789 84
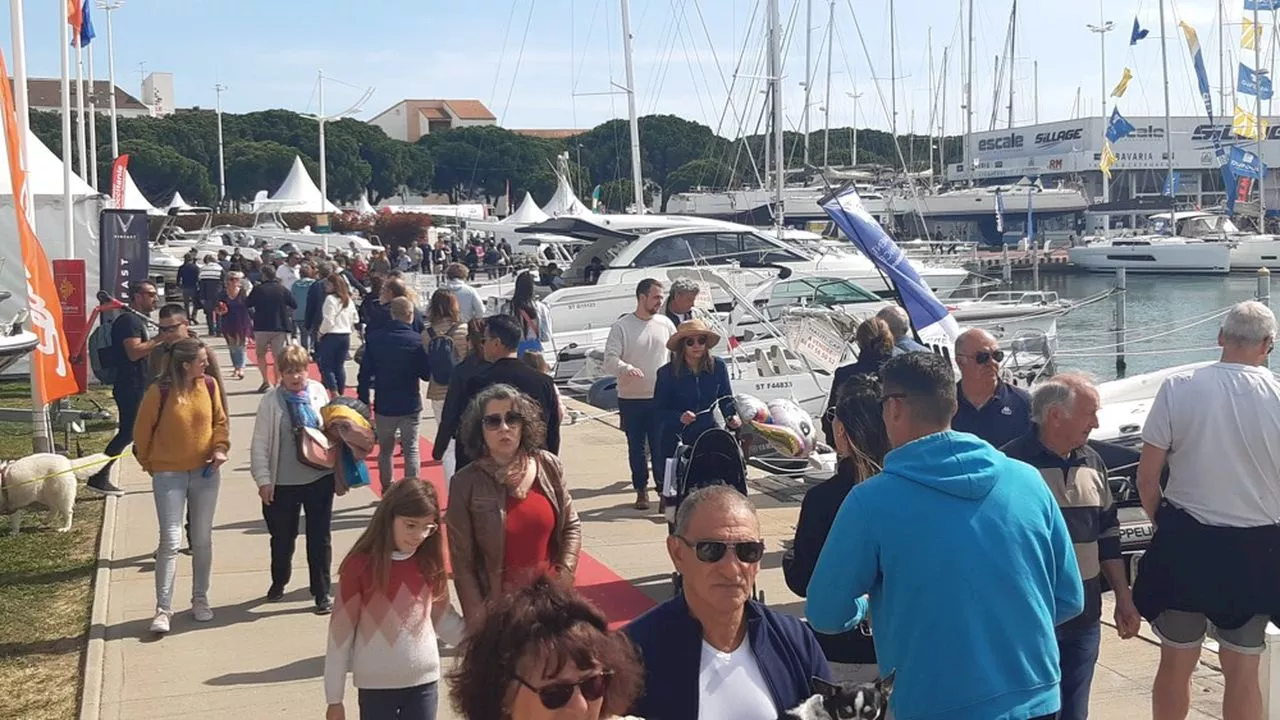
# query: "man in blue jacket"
966 558
713 652
394 361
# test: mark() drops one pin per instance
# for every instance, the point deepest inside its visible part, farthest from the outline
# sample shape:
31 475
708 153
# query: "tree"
254 166
696 173
159 172
617 196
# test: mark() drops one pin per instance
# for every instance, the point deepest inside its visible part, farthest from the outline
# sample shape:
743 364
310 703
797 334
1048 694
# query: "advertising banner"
124 254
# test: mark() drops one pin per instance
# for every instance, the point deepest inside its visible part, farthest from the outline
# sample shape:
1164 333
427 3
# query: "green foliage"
159 172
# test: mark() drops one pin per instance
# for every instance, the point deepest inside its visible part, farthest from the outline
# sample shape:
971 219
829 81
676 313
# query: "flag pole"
93 123
68 217
82 162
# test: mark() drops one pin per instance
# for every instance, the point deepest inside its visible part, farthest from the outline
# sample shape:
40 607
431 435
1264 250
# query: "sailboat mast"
933 101
775 79
942 119
968 103
826 108
893 71
1222 63
1013 36
637 181
1168 136
1257 114
808 72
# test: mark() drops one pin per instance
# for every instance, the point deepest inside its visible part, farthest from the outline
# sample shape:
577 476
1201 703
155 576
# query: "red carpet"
616 597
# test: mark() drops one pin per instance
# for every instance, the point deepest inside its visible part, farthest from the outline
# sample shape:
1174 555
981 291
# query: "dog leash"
73 469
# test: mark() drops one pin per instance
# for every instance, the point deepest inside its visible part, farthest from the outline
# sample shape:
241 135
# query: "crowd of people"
963 544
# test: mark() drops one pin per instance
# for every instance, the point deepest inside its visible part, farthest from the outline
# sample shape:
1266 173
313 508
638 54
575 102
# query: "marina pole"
775 62
808 72
1006 271
1260 132
93 124
628 48
222 163
109 7
1120 291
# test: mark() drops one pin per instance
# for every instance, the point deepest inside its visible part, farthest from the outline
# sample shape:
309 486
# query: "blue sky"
548 63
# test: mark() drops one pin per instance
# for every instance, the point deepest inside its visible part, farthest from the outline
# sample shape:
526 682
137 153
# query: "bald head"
897 320
974 339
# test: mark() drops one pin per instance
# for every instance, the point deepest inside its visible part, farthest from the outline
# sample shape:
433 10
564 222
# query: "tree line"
179 153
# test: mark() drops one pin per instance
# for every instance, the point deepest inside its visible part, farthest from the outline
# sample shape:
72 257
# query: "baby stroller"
713 459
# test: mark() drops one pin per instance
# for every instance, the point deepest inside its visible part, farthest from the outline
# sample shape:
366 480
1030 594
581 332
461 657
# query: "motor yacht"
1153 254
1249 251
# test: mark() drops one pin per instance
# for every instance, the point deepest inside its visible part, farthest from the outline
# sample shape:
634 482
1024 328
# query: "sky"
559 63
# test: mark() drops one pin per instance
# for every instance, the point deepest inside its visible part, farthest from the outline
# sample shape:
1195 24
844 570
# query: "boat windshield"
823 292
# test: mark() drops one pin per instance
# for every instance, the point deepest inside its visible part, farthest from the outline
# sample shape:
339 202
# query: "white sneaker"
160 625
201 611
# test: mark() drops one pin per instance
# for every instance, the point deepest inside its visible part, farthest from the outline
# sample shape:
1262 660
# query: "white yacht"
1158 251
634 247
1249 251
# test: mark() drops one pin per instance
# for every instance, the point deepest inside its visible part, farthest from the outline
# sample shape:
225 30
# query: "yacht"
1160 251
1249 251
635 247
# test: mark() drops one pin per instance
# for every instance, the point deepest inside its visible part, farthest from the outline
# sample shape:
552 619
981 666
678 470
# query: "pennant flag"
999 212
1138 32
1172 181
1250 35
86 34
1108 159
1262 4
1118 127
1250 82
1031 218
1123 84
51 369
75 16
119 172
1244 124
928 316
1245 163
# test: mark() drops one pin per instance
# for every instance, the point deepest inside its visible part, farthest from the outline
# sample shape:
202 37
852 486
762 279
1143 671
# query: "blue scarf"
300 411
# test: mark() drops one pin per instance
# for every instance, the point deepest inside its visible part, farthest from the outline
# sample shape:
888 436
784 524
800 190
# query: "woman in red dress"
510 517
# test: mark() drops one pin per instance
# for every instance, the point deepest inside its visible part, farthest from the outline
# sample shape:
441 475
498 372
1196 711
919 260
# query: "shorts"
273 341
1182 629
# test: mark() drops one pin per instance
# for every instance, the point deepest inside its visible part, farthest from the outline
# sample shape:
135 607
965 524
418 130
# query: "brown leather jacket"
476 522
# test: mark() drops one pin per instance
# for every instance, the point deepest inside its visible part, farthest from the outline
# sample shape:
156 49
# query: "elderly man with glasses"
712 651
986 405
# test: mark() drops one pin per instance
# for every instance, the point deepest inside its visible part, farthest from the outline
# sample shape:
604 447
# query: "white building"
409 120
157 92
45 94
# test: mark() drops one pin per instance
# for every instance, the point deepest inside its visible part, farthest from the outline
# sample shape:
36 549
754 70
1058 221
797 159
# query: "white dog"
44 479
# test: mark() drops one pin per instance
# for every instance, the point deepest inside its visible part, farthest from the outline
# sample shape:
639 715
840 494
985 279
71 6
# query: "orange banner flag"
51 372
75 16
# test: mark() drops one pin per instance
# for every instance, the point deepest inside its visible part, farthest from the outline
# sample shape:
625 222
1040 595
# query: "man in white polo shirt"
1215 556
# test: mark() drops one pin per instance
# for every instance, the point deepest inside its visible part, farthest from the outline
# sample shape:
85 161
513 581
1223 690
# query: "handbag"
314 449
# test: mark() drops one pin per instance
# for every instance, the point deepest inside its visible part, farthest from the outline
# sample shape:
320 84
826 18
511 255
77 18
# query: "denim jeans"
414 703
331 356
1077 656
643 425
236 349
128 397
450 462
316 500
386 426
173 491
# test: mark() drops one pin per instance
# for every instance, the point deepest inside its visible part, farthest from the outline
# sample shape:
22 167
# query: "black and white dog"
845 701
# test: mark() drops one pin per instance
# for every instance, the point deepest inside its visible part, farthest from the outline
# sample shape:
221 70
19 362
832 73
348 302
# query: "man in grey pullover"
636 348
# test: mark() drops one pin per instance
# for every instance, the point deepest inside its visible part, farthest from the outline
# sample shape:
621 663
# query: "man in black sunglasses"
986 405
712 651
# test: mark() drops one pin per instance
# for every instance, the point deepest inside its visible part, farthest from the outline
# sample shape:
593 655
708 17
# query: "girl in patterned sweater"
391 606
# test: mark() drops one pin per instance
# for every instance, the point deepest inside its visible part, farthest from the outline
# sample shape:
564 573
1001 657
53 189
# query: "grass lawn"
46 582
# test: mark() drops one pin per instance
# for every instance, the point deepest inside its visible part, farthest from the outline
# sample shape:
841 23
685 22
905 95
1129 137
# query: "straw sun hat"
689 328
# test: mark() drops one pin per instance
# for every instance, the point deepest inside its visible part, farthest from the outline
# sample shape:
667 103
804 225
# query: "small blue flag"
1138 32
1118 127
999 212
1244 163
1251 81
86 28
1171 184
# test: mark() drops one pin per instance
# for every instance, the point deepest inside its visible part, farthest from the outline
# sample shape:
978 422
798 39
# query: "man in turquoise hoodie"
966 558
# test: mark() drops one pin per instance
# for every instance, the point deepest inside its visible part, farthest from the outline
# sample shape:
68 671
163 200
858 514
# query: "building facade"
45 94
409 120
157 92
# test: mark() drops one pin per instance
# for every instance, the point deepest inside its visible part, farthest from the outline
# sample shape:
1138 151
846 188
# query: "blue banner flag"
999 212
1138 32
1031 218
928 315
1262 4
86 28
1244 163
1250 81
1172 182
1118 127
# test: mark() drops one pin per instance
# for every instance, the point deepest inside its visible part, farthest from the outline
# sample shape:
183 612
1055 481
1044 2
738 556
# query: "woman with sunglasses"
687 387
544 653
391 606
513 519
861 444
875 346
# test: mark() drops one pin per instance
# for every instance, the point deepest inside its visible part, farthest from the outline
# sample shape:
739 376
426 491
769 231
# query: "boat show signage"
123 253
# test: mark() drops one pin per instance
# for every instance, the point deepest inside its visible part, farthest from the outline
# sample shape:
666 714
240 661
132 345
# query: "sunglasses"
167 328
696 340
510 419
557 695
712 551
986 356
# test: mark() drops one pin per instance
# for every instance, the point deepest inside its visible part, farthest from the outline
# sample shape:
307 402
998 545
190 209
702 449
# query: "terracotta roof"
434 113
549 133
47 93
470 110
463 109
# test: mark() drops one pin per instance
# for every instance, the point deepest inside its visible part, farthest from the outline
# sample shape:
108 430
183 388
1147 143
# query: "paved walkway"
259 660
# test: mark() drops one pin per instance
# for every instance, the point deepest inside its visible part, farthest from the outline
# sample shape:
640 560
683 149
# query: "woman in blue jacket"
687 386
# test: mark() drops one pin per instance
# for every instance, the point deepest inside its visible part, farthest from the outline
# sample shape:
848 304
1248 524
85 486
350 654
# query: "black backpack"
440 356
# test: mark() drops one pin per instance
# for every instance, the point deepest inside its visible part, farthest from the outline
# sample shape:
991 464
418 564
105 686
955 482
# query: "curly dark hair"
547 622
532 435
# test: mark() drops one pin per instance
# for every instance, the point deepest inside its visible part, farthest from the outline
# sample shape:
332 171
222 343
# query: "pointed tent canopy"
44 171
565 201
527 214
178 202
364 208
135 200
299 191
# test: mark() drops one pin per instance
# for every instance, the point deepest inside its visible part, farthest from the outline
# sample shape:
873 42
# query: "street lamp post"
1103 27
109 7
854 96
222 163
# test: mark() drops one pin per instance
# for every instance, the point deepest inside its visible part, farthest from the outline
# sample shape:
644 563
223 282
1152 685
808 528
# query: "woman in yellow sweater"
181 439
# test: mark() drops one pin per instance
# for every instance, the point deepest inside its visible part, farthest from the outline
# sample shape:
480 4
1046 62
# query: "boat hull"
1190 258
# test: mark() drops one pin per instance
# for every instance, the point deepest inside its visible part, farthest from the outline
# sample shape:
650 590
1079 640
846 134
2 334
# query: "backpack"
103 354
440 356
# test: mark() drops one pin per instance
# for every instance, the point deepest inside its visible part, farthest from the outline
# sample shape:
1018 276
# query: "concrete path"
259 660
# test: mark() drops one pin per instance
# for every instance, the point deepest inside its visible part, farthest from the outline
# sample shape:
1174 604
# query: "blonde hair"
294 358
173 364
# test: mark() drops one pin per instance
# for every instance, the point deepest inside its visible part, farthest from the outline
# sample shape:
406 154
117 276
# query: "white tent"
565 201
527 214
299 193
364 208
135 200
178 202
